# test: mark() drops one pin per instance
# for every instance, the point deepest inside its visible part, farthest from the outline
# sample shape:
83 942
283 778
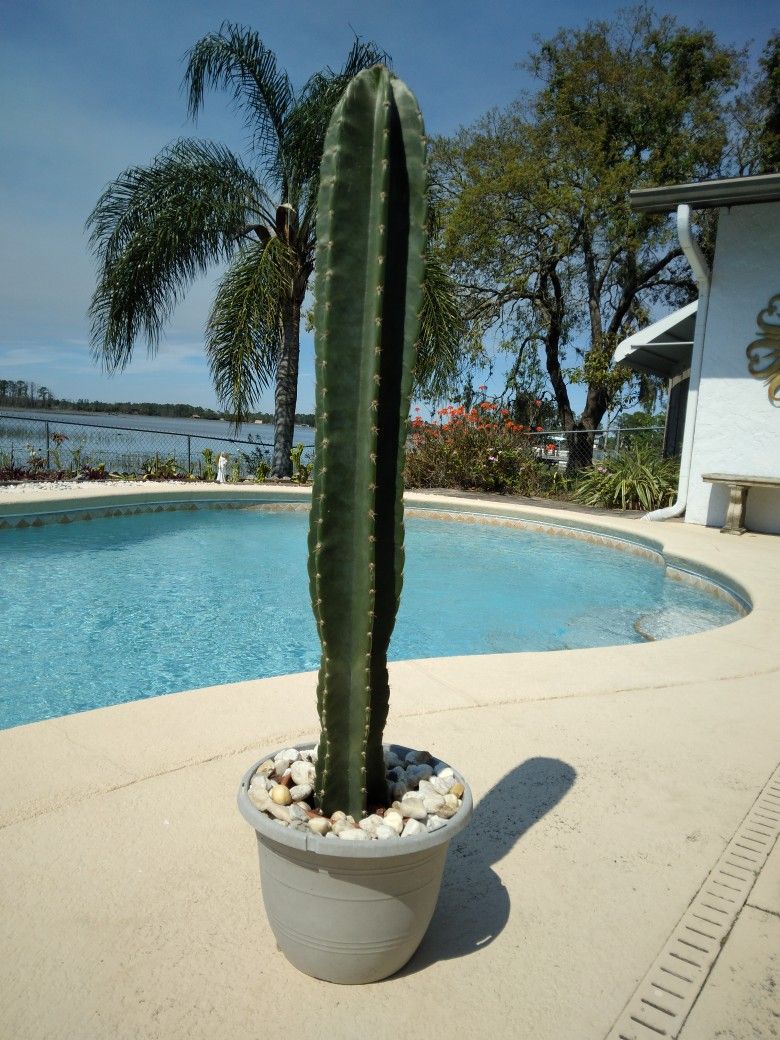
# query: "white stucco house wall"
732 411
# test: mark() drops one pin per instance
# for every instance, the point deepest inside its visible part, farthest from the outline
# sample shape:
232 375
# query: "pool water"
96 613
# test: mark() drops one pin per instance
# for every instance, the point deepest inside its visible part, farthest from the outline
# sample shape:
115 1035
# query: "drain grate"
667 993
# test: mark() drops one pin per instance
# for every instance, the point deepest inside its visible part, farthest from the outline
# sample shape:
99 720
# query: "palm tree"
155 228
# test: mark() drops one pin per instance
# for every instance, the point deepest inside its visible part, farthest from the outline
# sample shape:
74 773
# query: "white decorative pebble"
412 807
279 812
383 832
302 773
301 792
442 770
265 767
259 797
435 823
353 834
394 820
297 812
440 784
433 803
450 807
413 827
338 815
292 754
320 825
370 823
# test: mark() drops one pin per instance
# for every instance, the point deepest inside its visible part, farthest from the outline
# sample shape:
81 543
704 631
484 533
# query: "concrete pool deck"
608 782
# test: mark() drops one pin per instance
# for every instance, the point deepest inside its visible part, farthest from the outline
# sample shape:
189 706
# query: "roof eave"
726 191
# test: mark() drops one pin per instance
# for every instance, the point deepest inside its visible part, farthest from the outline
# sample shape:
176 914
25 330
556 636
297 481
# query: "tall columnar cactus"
369 267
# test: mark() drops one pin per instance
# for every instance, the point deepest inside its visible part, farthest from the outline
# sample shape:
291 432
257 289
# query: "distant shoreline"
164 412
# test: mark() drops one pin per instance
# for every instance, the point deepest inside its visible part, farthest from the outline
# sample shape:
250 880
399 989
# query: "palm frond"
153 230
244 331
236 59
442 330
308 121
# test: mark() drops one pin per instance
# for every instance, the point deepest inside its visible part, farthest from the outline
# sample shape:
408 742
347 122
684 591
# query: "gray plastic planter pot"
349 912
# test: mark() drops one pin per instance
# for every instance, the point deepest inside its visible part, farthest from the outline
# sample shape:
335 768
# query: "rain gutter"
726 191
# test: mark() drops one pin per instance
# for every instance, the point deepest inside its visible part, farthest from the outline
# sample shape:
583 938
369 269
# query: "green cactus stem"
369 267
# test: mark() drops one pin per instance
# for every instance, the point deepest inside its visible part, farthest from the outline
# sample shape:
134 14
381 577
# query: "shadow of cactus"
474 905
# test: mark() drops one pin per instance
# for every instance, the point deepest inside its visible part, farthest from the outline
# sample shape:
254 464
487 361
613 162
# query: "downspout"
701 273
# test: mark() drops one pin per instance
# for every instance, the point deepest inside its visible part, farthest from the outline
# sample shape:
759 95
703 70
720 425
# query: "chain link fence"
68 446
576 449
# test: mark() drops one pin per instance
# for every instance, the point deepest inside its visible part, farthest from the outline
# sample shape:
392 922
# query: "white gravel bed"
425 795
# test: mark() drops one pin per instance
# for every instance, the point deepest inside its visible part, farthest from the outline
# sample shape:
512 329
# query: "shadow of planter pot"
349 912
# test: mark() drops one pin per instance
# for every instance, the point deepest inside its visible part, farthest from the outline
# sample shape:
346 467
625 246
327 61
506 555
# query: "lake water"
124 442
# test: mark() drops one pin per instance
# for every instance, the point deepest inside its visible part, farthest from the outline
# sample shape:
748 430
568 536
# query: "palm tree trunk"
286 391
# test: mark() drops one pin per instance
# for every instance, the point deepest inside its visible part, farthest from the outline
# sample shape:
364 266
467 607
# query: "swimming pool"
123 608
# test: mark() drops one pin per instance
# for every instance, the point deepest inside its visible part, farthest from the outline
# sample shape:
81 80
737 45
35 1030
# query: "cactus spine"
369 266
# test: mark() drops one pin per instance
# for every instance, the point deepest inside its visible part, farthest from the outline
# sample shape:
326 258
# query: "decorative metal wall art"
763 354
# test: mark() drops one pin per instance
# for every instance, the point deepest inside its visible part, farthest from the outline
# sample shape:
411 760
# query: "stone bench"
738 486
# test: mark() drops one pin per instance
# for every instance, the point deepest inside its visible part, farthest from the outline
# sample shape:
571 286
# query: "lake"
124 442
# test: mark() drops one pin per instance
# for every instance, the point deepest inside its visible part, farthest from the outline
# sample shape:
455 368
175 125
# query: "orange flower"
539 429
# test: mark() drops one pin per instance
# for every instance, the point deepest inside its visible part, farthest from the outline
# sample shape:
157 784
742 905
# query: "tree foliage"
756 116
535 199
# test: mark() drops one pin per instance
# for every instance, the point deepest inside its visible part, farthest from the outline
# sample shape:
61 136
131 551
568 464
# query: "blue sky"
91 87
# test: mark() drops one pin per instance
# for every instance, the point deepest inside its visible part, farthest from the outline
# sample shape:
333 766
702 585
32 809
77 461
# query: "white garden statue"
221 467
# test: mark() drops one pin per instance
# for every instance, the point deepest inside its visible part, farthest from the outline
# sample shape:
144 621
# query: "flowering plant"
480 449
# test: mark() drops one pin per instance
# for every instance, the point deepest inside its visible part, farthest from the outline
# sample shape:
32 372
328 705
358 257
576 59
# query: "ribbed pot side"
349 912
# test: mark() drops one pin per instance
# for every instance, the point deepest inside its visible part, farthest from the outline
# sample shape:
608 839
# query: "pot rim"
269 829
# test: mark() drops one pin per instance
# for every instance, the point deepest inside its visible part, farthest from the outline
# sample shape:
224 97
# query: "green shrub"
301 470
160 469
638 478
209 465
